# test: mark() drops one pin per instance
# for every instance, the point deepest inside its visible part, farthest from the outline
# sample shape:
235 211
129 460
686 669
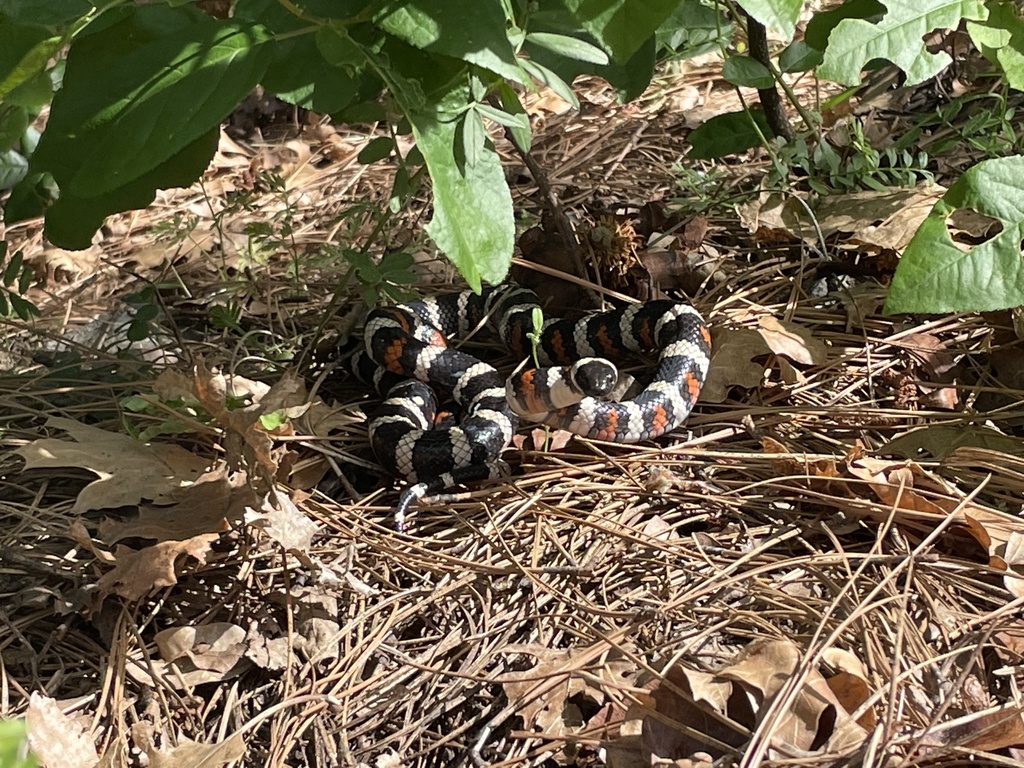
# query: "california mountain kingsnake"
410 340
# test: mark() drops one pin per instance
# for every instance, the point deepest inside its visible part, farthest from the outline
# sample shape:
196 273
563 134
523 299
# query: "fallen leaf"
57 740
191 754
139 572
996 728
732 363
849 683
899 486
129 471
1013 557
212 504
214 647
286 523
543 692
940 440
696 700
697 713
885 219
792 341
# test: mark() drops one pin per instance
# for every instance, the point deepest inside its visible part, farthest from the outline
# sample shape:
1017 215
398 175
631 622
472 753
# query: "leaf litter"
769 583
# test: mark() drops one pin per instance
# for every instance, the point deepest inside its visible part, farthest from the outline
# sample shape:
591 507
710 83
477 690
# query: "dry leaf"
210 505
894 484
542 691
215 647
732 363
885 219
57 740
286 524
697 713
129 471
996 728
849 683
694 699
792 341
139 572
191 754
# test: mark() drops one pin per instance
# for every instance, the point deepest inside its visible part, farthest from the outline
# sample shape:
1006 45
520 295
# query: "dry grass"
415 650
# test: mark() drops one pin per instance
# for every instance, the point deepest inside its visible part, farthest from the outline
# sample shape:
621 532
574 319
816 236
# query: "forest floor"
821 567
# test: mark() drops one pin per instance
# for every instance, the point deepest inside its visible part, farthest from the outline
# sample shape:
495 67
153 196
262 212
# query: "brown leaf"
191 754
543 691
57 740
210 505
792 341
894 484
216 647
849 683
884 219
698 701
244 435
139 572
286 523
732 363
129 471
815 718
996 728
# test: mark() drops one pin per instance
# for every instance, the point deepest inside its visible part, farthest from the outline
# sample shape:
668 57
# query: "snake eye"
594 376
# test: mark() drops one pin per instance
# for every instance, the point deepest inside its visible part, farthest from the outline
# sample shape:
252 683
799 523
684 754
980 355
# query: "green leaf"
780 15
44 14
822 23
469 31
274 419
142 89
30 198
510 101
937 275
13 169
940 440
71 221
517 120
621 27
474 135
376 149
5 311
24 52
552 81
629 80
694 29
13 123
898 38
1001 40
23 308
745 71
570 47
728 134
33 93
798 56
13 269
472 223
296 71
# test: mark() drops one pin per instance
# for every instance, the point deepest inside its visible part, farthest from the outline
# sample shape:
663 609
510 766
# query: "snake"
408 356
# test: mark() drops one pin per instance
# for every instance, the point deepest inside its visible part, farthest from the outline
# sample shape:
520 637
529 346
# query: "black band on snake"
410 341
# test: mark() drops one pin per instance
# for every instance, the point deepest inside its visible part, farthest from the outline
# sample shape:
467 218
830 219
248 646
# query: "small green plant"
146 311
828 170
534 336
701 189
16 277
986 123
386 278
